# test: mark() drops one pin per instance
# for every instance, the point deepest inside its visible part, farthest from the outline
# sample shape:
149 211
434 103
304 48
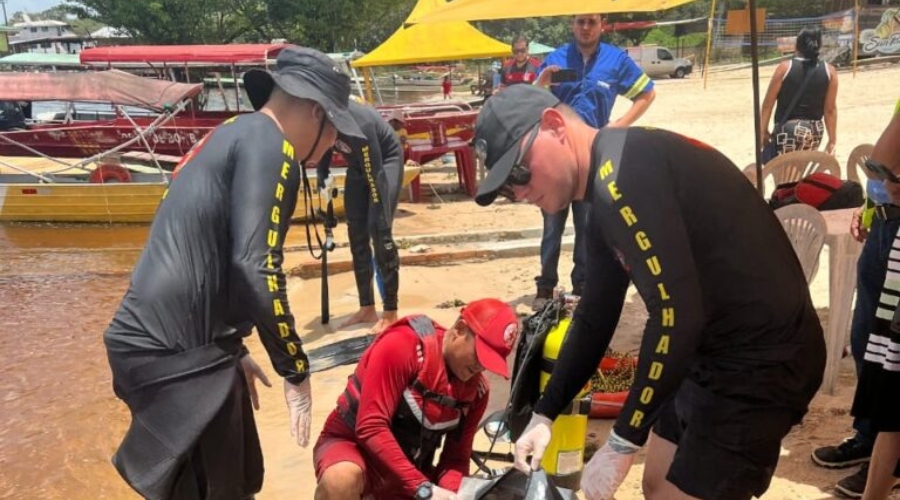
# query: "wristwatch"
423 492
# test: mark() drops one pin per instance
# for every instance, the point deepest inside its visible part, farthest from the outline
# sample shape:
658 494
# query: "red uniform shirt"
384 372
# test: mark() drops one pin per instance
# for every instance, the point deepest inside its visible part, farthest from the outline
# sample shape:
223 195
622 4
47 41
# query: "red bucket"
608 404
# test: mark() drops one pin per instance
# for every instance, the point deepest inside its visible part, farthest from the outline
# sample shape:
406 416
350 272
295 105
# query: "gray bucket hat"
308 74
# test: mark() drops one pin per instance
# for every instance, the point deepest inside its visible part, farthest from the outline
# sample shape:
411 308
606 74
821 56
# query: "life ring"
106 173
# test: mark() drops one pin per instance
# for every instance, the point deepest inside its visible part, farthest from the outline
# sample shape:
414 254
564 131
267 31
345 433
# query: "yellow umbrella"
483 10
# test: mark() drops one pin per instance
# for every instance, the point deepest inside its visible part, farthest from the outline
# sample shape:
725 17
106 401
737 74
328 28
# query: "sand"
720 115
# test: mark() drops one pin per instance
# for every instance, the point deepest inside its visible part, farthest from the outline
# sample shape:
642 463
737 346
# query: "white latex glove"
603 475
534 441
299 402
327 188
252 371
438 493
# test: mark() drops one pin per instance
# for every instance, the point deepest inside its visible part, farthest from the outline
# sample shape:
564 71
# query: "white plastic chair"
856 169
806 228
791 167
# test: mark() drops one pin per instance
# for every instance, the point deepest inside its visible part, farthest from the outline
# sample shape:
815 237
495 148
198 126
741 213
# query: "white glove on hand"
534 441
299 402
327 188
603 475
252 371
438 493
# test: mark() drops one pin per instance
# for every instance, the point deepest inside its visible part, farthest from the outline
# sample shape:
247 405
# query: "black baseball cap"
307 74
502 123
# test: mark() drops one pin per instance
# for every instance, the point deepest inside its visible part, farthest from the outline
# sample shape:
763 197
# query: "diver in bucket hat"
210 273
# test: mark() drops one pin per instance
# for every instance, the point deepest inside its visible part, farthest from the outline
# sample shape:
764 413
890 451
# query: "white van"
658 61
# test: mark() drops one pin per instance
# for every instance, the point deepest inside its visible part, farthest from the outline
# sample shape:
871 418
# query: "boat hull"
127 202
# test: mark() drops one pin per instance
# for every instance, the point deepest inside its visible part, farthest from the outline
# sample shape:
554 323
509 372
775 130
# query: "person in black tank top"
800 127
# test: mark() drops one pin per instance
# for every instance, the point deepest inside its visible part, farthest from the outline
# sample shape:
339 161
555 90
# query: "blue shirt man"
602 72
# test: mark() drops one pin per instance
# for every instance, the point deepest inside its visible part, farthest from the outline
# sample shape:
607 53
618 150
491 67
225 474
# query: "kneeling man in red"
417 386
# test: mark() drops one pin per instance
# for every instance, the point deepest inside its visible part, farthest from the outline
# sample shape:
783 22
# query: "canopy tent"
539 49
436 42
483 10
111 86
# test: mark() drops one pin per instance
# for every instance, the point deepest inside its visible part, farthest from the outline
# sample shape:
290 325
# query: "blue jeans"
551 242
870 272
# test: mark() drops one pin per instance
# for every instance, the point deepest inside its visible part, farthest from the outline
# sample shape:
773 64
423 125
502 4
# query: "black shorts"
727 448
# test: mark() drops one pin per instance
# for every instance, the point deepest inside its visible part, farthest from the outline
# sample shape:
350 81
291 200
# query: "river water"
59 420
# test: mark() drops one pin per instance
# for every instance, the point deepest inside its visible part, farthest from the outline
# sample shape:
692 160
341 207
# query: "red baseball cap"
496 328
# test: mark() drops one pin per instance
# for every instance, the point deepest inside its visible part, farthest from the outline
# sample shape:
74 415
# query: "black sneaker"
541 299
847 454
853 485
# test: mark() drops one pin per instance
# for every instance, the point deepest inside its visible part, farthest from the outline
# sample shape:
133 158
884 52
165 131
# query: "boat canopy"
433 43
112 86
38 59
179 55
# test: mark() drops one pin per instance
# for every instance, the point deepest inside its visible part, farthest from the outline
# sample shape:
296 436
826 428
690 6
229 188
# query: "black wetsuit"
732 351
209 273
371 194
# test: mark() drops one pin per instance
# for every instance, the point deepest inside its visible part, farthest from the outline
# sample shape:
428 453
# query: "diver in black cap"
211 272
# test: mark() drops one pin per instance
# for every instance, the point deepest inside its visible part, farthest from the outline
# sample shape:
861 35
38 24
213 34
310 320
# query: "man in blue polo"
602 72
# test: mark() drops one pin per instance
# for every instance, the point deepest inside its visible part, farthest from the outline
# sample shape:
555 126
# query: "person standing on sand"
446 87
209 274
371 194
602 72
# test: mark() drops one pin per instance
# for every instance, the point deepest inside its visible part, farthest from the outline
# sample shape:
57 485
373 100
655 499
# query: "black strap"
793 104
422 325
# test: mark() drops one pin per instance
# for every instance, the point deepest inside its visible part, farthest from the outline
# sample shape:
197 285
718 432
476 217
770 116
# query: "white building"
46 37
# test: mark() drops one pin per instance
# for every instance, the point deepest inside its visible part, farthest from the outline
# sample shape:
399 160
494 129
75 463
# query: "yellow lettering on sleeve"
656 369
300 365
277 308
270 264
653 265
637 418
276 214
613 191
285 170
287 149
606 170
279 191
272 238
663 294
642 240
663 346
272 281
292 348
647 395
284 330
668 317
628 216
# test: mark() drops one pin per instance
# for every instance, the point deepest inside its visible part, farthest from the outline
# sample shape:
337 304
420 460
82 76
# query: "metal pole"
5 20
754 57
855 37
709 35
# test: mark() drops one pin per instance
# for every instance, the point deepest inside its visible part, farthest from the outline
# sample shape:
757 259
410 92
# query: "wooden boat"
37 192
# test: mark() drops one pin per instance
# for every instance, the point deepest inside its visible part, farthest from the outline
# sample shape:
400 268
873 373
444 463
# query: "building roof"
109 32
38 24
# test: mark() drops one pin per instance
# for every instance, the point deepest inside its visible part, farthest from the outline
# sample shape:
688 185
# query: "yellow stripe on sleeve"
638 87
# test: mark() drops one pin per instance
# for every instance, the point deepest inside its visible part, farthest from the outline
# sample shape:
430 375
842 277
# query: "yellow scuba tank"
564 457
